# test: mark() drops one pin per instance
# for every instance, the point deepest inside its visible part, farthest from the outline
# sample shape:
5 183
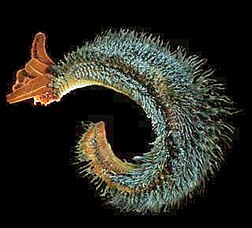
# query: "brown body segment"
102 158
100 152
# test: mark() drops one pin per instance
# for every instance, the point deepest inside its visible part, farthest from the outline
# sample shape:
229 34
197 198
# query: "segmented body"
184 103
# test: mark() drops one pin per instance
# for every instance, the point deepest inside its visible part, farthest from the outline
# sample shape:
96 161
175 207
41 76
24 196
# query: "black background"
40 185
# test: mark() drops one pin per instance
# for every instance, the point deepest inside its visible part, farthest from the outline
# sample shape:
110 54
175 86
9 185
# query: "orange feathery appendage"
34 81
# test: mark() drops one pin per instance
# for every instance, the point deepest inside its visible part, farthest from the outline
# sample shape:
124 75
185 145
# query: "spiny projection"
187 107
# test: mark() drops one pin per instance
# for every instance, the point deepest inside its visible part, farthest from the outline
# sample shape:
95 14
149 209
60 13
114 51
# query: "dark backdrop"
39 182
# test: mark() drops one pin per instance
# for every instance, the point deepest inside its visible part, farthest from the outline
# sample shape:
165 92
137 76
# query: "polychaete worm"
178 92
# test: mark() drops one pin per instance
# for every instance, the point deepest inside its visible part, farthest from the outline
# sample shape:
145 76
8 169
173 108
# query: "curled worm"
179 94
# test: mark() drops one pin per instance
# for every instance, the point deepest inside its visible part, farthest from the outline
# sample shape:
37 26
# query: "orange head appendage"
34 81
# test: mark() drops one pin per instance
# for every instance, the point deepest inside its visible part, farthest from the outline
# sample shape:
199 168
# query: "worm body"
178 93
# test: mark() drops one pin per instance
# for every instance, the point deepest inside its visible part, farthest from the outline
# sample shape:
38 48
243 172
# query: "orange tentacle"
38 50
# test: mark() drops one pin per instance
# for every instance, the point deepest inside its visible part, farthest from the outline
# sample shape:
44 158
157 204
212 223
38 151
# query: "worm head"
34 81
